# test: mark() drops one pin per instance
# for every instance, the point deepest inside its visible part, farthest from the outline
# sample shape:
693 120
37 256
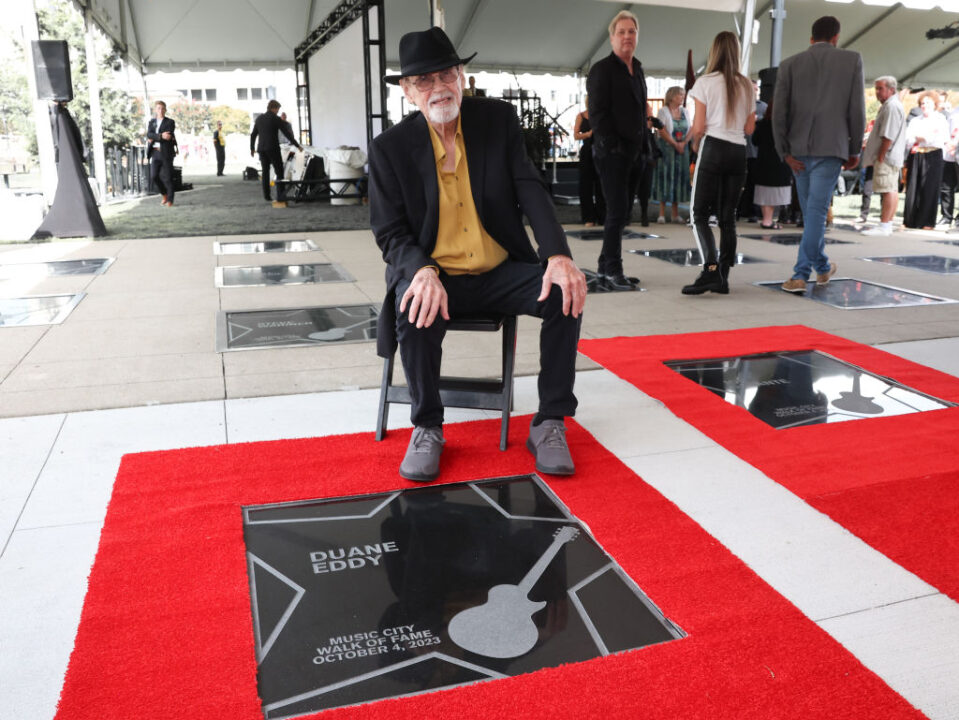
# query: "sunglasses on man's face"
425 82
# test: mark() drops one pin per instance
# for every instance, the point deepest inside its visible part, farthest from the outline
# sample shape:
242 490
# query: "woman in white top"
926 135
725 114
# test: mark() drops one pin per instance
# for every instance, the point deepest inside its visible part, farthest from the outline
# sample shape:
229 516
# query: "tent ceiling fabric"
559 36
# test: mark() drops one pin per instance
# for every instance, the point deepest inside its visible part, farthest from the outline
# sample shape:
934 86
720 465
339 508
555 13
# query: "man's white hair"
889 81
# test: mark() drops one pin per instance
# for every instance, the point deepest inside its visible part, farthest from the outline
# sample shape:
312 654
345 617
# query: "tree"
234 120
15 104
191 117
59 20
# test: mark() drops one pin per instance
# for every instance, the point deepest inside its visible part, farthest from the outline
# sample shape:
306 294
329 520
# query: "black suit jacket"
617 106
168 148
404 195
267 127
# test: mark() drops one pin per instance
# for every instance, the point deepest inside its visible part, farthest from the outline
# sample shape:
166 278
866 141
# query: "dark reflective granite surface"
790 389
296 327
358 599
789 238
597 234
689 258
37 309
928 263
853 294
245 248
281 275
26 271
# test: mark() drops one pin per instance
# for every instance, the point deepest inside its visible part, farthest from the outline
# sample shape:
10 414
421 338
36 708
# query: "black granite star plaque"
790 389
295 327
363 598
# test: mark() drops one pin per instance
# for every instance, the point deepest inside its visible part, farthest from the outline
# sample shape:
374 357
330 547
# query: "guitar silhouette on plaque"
503 626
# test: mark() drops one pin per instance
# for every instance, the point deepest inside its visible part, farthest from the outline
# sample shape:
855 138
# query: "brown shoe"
823 278
794 285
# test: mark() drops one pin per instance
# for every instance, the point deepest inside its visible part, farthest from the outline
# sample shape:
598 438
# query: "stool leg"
509 361
383 412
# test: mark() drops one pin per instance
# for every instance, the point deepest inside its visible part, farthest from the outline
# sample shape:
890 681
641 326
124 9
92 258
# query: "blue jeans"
814 186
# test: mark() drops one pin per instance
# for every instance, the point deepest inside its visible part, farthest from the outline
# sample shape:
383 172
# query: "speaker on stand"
51 64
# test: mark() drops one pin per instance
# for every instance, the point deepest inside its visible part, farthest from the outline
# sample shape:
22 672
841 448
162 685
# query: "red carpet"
892 481
166 629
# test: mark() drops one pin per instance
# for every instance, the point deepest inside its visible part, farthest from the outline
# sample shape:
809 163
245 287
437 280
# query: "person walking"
267 127
819 118
725 114
161 133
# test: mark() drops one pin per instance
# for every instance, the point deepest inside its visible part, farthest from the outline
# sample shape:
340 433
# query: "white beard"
439 115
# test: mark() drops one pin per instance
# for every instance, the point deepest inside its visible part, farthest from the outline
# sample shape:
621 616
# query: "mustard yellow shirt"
462 244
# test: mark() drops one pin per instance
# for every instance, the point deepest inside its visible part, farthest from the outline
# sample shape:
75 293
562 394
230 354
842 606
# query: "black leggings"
717 183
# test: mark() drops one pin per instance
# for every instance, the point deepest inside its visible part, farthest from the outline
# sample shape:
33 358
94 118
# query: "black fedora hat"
425 52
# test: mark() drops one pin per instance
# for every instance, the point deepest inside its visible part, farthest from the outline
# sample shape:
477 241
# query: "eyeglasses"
425 82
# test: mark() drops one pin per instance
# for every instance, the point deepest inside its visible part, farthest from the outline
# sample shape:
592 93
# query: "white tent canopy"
559 36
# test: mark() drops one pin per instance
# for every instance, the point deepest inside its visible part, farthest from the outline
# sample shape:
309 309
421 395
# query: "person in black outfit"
219 146
592 207
618 109
161 132
267 127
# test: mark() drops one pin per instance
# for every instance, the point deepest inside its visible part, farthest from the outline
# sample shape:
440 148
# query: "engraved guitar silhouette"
503 626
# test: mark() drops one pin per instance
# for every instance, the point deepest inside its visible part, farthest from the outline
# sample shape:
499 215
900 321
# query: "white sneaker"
877 231
661 220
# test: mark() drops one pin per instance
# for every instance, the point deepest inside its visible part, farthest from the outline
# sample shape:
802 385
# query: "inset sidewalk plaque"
789 389
927 263
689 257
295 327
597 234
82 266
37 309
853 294
790 238
262 246
377 596
235 276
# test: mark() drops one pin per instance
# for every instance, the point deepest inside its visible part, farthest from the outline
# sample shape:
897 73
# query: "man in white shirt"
885 151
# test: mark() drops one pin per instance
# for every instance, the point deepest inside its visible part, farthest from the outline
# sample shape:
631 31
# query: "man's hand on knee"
426 297
562 271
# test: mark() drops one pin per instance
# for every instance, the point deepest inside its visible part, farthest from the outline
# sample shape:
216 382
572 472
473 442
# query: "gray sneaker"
547 442
422 461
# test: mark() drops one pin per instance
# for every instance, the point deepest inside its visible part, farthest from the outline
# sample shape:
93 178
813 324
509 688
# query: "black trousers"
510 288
922 189
619 174
717 184
592 206
947 190
275 159
220 158
161 174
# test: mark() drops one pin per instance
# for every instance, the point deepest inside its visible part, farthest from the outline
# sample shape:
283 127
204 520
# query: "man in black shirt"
618 110
267 127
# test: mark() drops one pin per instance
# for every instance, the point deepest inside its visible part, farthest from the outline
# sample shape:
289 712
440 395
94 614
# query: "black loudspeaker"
51 63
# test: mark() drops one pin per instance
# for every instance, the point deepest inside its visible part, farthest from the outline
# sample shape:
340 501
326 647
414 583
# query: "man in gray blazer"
819 117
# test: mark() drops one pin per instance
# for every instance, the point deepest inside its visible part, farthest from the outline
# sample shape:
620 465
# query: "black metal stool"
479 393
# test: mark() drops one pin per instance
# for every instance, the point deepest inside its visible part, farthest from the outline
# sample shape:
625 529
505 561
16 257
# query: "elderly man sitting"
448 188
